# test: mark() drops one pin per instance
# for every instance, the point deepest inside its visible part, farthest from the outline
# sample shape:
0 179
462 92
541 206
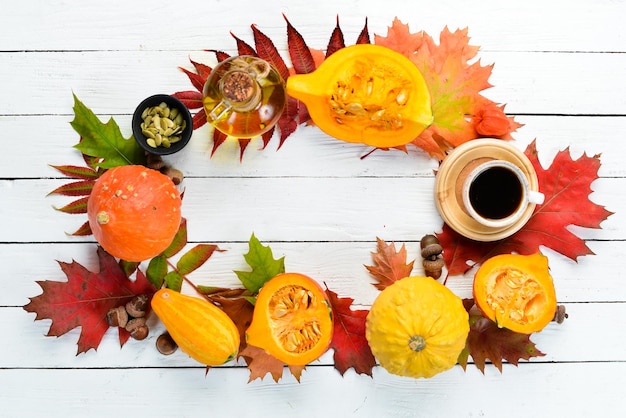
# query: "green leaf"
179 241
195 258
156 271
128 267
104 141
263 264
173 280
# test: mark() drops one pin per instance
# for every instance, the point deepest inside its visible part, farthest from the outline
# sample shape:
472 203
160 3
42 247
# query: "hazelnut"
137 306
137 328
140 332
117 317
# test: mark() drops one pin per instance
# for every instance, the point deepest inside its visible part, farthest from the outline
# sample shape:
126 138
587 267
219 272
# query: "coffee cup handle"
536 197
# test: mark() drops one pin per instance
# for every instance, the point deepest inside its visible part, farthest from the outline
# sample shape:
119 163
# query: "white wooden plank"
59 25
595 278
576 340
305 152
529 390
114 82
283 209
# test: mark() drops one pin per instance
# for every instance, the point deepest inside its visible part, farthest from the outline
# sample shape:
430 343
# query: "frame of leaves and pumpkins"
565 183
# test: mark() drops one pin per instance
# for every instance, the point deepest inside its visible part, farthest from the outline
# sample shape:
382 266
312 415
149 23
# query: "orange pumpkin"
516 291
134 212
292 319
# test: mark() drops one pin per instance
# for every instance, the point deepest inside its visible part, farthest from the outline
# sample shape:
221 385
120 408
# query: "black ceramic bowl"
172 103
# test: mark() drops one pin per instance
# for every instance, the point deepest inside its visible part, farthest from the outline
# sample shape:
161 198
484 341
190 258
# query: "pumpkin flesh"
516 291
366 94
292 319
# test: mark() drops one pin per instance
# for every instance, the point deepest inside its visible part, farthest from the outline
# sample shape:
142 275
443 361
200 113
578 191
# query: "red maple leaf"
486 341
566 185
460 112
85 299
389 265
351 349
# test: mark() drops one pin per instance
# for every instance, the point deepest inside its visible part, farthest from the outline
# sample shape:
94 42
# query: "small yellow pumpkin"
366 94
201 329
417 327
292 319
516 291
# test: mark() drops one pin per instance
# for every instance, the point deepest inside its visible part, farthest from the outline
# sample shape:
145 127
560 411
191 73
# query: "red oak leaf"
487 341
389 265
85 299
454 84
351 349
566 185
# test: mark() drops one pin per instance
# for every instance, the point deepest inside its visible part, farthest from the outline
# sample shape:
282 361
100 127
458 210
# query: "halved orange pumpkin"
516 291
292 319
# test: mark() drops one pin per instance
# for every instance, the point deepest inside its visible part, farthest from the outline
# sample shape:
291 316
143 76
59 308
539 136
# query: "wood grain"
559 67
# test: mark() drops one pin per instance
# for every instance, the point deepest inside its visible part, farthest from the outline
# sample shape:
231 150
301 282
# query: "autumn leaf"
566 184
84 300
486 341
389 265
195 258
263 264
260 363
455 80
78 172
351 349
104 141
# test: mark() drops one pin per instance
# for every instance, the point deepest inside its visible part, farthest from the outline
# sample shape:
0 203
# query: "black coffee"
495 193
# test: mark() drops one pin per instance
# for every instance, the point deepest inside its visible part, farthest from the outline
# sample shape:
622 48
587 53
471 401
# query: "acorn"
431 252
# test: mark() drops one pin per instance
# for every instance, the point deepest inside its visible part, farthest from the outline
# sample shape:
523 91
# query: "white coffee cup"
496 194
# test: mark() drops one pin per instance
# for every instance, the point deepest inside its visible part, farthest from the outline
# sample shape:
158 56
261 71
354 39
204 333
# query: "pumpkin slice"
366 94
516 291
134 212
292 319
417 327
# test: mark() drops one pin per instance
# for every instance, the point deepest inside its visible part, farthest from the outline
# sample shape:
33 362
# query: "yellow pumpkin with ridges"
417 327
201 329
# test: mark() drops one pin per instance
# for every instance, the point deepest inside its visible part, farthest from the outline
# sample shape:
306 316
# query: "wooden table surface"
559 66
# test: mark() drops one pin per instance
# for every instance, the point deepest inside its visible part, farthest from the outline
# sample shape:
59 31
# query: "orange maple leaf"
454 85
389 265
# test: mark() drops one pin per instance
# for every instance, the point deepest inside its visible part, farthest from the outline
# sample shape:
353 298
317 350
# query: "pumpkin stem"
102 217
417 343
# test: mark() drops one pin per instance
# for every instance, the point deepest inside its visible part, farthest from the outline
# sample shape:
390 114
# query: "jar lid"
449 184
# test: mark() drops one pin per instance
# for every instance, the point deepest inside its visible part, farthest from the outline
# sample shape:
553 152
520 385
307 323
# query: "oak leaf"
486 341
455 81
350 346
566 184
84 300
389 265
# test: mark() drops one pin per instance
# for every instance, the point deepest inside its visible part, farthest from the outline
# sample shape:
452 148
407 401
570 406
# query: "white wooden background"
559 65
